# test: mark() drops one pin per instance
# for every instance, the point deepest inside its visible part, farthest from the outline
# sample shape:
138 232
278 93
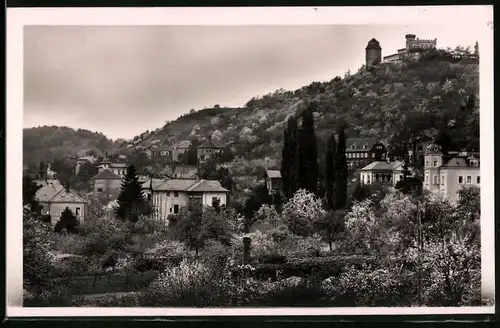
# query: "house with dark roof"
107 184
208 149
170 195
54 199
362 151
449 174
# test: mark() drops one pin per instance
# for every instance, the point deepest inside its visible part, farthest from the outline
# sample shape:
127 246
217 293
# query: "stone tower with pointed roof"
373 53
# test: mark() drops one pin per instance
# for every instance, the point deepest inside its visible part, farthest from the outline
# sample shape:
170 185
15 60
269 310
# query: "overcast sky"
124 80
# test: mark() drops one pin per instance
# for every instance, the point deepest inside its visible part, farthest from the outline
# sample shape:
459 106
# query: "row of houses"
446 174
176 152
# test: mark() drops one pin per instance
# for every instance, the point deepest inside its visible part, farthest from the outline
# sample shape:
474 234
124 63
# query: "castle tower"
409 39
373 53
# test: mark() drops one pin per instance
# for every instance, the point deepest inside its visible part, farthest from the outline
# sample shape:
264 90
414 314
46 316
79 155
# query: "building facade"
448 175
362 151
106 184
179 150
382 172
273 181
118 168
54 199
169 196
413 48
208 149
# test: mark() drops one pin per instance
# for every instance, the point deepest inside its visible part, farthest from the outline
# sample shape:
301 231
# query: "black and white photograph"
318 163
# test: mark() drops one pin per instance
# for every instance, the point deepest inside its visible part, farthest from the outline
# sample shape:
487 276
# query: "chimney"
67 186
246 249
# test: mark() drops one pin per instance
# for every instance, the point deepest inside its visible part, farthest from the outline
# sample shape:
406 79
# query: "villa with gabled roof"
168 196
54 199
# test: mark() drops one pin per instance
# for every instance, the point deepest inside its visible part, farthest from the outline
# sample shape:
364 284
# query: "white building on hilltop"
449 175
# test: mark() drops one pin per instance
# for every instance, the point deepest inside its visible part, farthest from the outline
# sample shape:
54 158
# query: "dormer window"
353 147
365 146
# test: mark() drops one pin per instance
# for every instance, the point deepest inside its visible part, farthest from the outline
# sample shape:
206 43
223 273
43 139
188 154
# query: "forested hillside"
392 102
47 143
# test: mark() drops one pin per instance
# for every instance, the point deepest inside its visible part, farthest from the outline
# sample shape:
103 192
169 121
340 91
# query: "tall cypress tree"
308 152
289 158
330 171
341 171
131 201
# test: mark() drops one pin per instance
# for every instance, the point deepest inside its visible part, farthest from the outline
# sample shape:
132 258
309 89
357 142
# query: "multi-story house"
362 151
54 199
118 168
169 196
107 184
448 175
207 150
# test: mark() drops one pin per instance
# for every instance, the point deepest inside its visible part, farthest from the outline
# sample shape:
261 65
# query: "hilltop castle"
414 47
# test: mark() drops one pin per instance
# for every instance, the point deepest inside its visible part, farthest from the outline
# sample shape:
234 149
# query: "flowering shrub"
38 257
363 229
70 243
370 286
453 272
267 214
301 212
169 249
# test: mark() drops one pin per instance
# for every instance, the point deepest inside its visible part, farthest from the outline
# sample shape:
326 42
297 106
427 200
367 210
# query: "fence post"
246 250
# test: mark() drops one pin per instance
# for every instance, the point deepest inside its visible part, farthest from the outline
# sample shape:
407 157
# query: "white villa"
169 196
449 175
382 171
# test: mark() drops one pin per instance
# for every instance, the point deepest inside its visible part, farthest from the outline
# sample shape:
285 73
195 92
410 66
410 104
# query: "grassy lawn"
81 285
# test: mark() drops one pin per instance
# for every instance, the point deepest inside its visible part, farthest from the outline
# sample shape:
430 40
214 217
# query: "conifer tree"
289 158
67 221
330 170
341 171
307 152
131 201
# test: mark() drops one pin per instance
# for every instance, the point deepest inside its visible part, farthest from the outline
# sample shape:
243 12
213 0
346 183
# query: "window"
99 189
478 180
400 177
170 210
176 209
176 194
427 162
435 163
442 180
436 179
368 179
215 199
460 179
77 211
469 179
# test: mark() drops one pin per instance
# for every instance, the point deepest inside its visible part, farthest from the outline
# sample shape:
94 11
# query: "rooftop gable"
207 186
67 196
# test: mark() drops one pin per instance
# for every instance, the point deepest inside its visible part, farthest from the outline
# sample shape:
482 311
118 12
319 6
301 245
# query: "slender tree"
131 199
330 170
308 152
289 158
341 171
